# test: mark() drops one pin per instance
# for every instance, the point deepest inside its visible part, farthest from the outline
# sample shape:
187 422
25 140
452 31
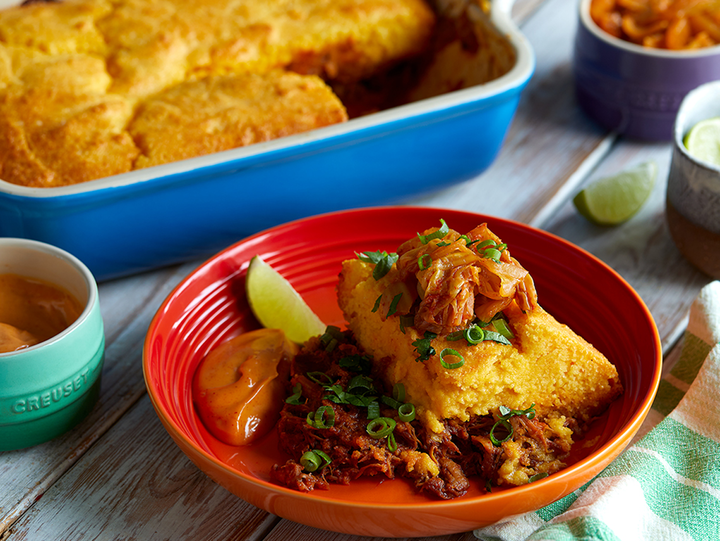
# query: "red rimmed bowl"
209 307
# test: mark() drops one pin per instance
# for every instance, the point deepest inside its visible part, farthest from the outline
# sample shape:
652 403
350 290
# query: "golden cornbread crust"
88 87
547 364
223 112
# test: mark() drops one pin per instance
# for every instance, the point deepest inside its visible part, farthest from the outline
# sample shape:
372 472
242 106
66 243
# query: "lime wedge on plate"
703 141
277 305
614 200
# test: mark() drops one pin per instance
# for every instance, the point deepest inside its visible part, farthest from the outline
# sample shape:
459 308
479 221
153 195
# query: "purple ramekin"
633 90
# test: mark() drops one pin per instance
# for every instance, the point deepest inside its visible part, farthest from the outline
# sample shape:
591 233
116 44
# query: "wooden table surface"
118 475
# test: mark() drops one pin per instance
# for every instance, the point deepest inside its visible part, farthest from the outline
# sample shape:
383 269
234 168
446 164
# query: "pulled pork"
439 465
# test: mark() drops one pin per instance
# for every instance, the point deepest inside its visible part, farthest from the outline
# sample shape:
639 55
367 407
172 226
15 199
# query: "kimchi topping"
447 281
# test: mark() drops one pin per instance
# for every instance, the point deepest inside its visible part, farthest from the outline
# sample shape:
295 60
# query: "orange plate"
209 307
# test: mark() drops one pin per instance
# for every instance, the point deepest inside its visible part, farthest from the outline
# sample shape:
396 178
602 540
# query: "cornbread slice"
547 364
223 112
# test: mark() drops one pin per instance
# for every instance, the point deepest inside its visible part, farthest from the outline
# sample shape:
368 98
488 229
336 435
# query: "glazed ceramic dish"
171 213
209 307
635 90
50 387
693 189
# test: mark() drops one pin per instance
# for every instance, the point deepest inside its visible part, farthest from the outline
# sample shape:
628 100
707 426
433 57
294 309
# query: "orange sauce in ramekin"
32 311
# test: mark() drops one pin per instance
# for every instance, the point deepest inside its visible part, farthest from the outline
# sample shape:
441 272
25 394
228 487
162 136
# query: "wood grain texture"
640 250
151 493
119 475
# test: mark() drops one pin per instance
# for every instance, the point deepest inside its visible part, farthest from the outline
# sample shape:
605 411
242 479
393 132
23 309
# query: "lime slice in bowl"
277 305
615 199
703 141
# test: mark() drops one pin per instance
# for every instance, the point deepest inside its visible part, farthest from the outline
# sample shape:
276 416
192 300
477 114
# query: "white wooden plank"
640 250
151 493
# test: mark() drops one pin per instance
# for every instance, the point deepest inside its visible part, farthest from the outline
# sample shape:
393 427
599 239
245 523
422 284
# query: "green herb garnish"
383 262
423 346
440 233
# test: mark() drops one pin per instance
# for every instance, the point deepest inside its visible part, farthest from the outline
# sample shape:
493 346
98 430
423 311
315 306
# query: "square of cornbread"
223 112
547 364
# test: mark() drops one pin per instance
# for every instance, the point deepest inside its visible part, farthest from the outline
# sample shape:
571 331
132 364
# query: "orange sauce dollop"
239 387
32 310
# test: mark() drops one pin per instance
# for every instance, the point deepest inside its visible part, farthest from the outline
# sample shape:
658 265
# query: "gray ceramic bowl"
635 90
49 387
693 191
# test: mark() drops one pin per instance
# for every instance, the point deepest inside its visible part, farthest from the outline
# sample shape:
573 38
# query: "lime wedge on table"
703 140
614 200
277 305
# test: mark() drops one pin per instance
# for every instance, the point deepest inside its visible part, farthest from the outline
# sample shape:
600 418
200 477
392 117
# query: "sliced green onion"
451 366
485 244
406 321
507 426
457 335
392 444
331 331
505 414
440 233
502 327
317 419
538 476
317 376
373 410
492 253
474 335
388 401
398 392
360 383
310 461
497 337
406 412
393 304
422 259
296 397
380 427
313 460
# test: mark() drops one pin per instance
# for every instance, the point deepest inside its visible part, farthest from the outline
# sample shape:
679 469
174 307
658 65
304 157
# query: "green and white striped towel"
667 485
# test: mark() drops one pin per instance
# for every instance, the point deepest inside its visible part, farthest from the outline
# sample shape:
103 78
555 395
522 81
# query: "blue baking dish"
175 212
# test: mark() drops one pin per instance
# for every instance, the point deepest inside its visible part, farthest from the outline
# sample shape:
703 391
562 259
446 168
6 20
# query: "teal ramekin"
47 389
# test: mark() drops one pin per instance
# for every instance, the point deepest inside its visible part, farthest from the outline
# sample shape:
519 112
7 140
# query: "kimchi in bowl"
632 89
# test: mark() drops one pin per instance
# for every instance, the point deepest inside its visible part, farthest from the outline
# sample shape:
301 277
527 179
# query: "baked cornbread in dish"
81 80
484 382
